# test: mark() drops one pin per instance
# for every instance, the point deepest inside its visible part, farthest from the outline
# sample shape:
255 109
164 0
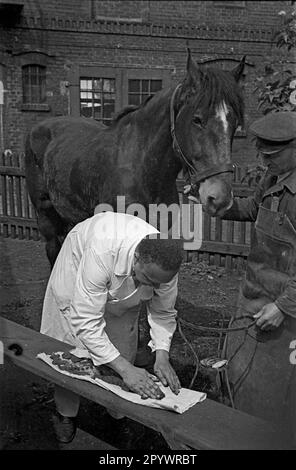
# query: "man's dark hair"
166 253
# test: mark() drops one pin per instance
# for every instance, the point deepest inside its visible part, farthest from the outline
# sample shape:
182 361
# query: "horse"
74 164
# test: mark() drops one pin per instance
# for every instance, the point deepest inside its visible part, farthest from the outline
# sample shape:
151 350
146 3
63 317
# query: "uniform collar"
287 180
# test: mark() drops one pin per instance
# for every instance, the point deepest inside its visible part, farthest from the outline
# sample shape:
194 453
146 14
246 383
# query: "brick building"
92 57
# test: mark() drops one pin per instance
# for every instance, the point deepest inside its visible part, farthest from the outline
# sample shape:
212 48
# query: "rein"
217 329
194 178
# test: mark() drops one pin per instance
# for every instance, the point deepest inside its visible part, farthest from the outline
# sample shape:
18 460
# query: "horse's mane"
215 86
130 109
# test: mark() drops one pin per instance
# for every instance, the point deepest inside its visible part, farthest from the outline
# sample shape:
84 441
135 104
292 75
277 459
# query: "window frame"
41 86
91 72
92 91
121 76
144 74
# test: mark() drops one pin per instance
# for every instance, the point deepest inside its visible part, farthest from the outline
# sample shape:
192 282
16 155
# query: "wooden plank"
4 194
18 195
11 171
206 226
22 221
10 196
26 201
225 248
207 425
218 238
229 237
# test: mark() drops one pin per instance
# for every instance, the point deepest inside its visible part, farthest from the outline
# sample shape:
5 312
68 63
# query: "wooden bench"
207 425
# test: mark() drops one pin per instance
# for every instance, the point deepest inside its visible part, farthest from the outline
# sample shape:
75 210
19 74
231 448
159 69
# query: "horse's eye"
197 121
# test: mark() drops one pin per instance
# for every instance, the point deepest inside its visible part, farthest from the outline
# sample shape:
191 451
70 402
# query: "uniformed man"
260 370
107 265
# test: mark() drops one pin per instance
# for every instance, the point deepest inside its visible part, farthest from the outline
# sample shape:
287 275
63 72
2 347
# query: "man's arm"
87 308
87 318
162 320
286 302
162 315
242 209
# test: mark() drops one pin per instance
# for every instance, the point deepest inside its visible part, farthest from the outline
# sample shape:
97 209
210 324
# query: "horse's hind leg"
52 228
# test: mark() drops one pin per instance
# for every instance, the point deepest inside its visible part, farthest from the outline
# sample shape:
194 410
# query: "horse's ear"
238 71
193 71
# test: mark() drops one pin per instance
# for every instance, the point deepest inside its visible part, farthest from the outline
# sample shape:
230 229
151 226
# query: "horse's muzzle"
216 196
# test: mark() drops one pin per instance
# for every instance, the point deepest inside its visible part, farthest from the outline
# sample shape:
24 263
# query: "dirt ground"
206 294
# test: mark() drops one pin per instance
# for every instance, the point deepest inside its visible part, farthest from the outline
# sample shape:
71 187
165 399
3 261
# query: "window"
100 92
97 98
34 79
140 89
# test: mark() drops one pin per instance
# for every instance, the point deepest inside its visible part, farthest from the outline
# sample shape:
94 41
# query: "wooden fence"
225 243
17 214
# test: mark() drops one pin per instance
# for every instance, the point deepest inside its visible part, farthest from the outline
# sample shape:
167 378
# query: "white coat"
91 301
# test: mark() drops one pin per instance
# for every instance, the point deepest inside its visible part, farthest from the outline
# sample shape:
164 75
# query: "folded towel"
178 403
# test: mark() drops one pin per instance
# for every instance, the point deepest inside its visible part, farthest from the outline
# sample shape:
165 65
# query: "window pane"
144 97
34 84
85 109
84 95
109 108
97 84
35 95
108 86
134 99
99 101
155 86
145 86
33 77
97 97
26 94
83 84
133 86
97 110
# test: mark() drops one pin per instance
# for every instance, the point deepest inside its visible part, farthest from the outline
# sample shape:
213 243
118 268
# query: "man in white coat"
107 266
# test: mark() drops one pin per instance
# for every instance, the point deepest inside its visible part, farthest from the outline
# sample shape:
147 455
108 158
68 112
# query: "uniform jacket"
246 209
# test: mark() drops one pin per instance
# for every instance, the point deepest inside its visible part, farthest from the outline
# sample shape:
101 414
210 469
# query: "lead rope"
223 369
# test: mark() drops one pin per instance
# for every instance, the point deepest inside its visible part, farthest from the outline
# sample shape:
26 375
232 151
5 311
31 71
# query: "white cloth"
93 265
178 403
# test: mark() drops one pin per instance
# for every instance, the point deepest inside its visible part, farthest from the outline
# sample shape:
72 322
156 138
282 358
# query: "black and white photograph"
147 229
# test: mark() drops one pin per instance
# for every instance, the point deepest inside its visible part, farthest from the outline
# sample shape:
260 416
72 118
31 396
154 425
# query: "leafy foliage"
275 85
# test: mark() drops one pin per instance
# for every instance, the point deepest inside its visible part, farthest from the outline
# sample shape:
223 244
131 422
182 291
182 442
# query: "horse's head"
205 111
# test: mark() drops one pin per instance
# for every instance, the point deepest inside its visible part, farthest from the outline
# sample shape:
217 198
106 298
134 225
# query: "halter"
194 178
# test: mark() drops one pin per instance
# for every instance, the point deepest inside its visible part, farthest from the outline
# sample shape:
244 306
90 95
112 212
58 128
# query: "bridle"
195 178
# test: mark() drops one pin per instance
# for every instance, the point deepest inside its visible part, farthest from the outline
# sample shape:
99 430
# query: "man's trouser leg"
67 403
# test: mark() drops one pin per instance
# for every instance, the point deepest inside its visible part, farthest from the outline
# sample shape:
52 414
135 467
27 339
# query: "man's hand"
269 317
165 372
137 380
140 381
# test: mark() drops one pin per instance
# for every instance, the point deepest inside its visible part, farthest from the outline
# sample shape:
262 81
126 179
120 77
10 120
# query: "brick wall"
70 33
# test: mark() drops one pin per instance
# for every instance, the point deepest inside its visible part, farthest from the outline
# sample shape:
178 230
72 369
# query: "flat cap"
274 131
